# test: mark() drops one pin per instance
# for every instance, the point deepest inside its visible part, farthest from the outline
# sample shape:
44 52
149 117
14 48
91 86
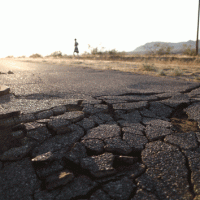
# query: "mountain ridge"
176 47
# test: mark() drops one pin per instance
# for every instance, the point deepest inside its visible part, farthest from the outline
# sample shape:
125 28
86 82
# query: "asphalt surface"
70 82
77 133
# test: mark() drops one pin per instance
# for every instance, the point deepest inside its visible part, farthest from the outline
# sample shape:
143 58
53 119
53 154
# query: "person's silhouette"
76 47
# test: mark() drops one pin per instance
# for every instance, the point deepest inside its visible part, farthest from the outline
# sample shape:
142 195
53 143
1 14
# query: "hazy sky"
45 26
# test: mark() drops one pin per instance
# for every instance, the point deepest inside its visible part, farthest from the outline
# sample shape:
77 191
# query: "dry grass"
183 67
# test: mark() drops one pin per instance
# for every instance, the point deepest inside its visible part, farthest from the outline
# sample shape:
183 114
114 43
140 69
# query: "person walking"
76 47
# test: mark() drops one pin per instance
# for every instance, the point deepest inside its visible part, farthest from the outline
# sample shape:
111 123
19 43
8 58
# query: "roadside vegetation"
36 55
158 62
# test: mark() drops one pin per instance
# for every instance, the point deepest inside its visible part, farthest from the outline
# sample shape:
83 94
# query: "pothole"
181 123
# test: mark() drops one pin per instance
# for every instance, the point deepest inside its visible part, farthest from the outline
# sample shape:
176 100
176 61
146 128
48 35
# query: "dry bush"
176 72
36 55
188 50
148 67
56 54
10 57
161 72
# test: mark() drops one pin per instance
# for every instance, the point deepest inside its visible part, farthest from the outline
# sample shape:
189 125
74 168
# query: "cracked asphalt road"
78 133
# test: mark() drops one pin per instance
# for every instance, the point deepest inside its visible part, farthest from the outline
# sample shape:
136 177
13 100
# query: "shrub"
56 54
176 72
36 55
148 67
112 52
160 49
161 72
188 50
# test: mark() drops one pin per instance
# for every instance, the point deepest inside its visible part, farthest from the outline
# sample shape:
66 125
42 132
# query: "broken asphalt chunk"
99 166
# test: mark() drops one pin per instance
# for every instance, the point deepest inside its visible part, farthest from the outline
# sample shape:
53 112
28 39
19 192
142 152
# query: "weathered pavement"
106 146
4 90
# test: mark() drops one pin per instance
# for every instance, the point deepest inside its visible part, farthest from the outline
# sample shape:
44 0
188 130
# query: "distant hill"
151 47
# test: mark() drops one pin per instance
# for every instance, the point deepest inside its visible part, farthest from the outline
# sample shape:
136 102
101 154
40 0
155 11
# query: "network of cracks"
130 146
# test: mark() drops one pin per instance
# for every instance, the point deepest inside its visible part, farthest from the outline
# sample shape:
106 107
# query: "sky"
46 26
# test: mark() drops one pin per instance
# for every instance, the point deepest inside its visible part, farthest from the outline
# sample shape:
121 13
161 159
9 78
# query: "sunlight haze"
43 26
